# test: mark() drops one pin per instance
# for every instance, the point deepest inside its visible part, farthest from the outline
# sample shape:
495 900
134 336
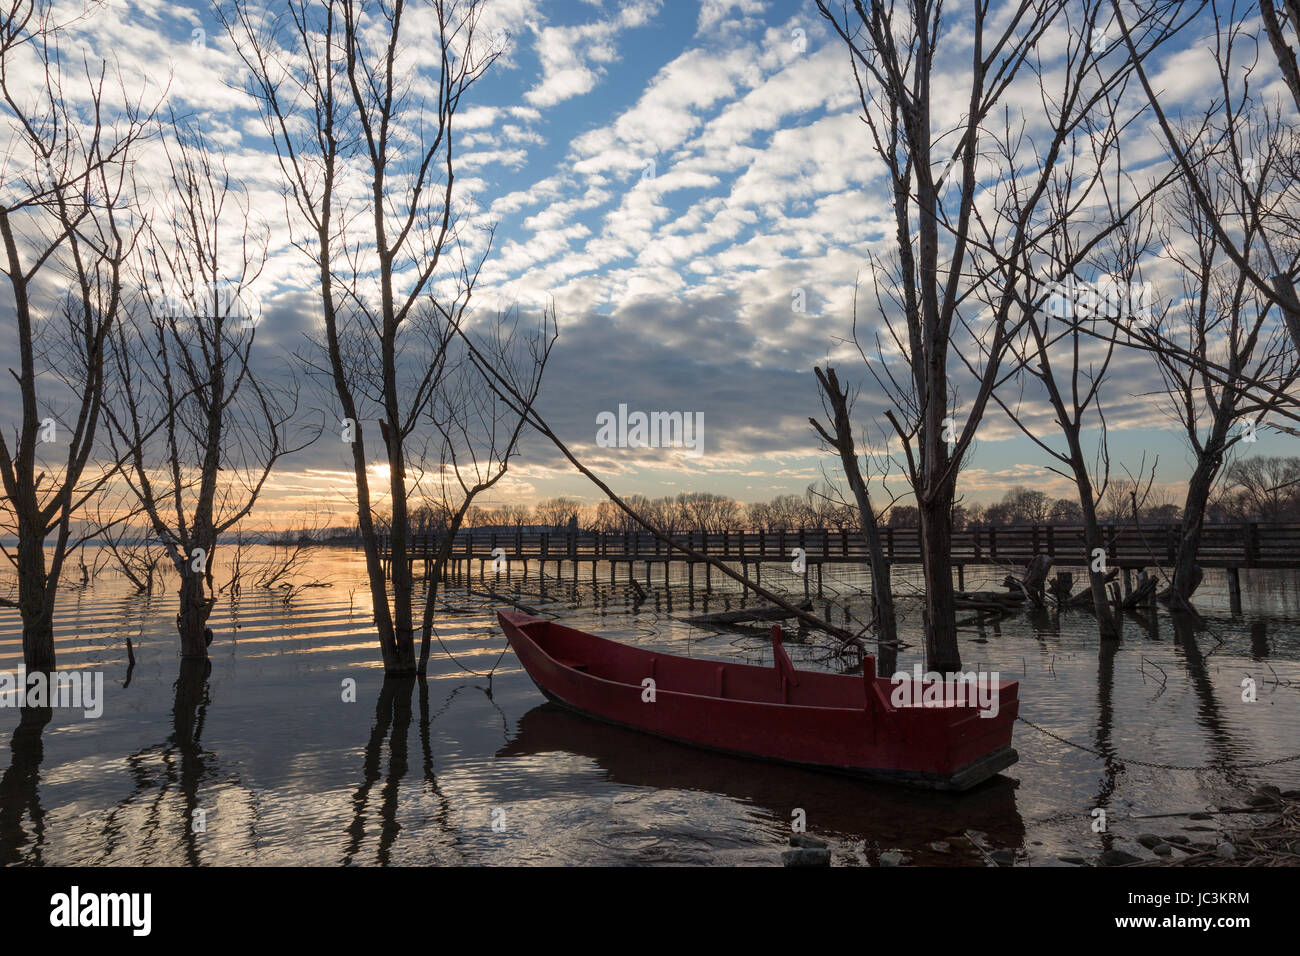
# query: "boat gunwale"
958 713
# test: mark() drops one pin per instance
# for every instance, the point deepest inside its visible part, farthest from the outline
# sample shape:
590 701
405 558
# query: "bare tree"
838 403
67 230
1272 264
705 511
1068 346
186 376
135 552
557 512
1225 318
1265 487
364 136
477 436
959 268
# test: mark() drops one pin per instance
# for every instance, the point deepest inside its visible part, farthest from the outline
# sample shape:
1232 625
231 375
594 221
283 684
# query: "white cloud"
713 12
573 57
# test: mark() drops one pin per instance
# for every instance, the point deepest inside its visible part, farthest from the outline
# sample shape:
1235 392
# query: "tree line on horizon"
1264 489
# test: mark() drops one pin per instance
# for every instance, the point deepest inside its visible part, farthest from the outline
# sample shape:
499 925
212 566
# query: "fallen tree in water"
509 395
745 615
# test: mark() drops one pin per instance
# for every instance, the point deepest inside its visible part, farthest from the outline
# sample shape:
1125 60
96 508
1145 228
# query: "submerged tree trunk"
941 651
1094 541
192 618
35 605
1186 573
882 591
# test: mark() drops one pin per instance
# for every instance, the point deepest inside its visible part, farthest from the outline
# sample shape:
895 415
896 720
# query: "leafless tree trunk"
367 156
1224 318
959 269
1071 339
65 221
840 437
186 376
477 437
1284 45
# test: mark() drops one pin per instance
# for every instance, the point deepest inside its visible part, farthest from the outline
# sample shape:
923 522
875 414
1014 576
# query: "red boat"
836 722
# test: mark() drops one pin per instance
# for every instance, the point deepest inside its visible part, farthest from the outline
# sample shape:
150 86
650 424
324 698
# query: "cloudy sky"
675 176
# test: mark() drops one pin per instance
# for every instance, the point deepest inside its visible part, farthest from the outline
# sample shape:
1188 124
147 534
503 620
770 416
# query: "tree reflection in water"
20 791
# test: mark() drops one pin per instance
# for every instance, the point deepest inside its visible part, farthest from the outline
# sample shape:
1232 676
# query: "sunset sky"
673 176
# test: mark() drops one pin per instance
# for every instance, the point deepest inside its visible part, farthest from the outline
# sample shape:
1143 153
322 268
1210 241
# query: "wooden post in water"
1234 589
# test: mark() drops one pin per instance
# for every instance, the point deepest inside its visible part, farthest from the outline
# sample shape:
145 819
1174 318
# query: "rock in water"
807 856
891 858
807 842
1118 858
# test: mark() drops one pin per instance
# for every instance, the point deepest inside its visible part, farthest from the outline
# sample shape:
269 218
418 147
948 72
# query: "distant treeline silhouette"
1254 489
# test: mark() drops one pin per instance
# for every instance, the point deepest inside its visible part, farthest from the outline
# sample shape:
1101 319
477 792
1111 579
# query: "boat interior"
616 662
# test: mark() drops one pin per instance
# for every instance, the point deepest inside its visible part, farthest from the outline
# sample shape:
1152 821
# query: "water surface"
281 769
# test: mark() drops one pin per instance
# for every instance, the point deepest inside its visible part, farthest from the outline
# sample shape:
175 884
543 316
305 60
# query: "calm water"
417 772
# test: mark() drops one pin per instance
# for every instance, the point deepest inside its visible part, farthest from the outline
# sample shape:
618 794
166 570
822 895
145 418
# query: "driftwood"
511 601
1061 586
745 615
1142 592
1084 597
1019 590
1030 585
1008 599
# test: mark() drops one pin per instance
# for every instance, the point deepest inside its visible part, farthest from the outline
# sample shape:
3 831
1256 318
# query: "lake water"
280 769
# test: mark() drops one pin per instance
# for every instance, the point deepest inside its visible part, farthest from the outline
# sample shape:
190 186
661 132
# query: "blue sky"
671 174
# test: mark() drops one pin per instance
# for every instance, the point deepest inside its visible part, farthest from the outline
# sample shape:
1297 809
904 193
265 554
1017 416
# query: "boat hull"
836 723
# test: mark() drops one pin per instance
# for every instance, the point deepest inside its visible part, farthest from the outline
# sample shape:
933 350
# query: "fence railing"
1238 544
